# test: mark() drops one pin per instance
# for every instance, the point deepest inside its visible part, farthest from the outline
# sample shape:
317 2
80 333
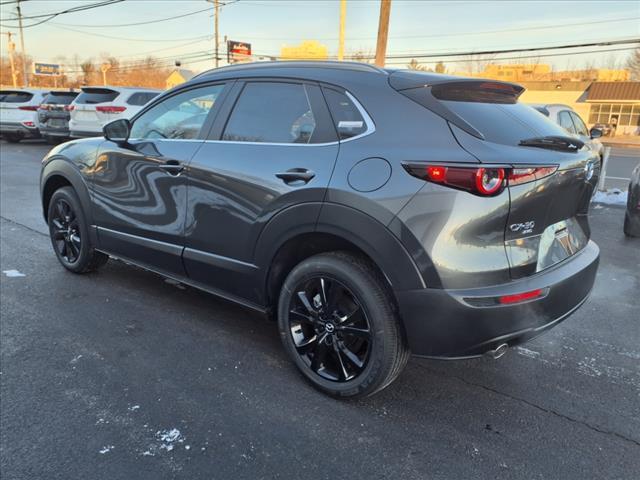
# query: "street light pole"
383 32
24 54
343 16
216 8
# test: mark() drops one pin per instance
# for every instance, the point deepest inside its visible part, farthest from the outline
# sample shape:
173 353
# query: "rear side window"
15 97
271 113
141 98
507 124
346 116
97 95
60 98
564 120
581 128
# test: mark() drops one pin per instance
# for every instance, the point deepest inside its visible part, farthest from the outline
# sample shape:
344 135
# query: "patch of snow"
106 449
75 359
614 196
148 453
133 408
13 273
187 447
527 353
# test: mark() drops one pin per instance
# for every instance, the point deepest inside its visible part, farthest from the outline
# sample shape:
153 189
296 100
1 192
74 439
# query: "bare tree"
633 64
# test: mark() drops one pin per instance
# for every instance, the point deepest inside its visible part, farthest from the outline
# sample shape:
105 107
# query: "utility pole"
12 48
383 32
343 17
24 54
216 32
104 68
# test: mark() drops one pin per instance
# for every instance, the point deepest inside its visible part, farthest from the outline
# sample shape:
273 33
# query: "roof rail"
356 66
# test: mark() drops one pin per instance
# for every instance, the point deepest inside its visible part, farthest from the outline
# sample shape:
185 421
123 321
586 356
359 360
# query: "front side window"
581 128
346 116
271 113
564 119
180 116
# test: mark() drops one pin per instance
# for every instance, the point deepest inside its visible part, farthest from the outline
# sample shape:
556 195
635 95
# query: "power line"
50 16
127 39
134 24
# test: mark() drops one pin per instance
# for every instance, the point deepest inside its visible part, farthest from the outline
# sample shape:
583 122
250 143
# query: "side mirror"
595 133
117 131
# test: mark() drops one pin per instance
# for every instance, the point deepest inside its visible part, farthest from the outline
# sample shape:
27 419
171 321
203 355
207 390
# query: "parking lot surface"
122 375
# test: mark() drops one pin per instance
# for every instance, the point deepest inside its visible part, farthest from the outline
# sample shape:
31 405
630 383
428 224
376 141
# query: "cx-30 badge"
524 227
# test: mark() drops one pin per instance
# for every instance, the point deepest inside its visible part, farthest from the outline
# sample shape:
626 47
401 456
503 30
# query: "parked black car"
375 213
53 115
632 215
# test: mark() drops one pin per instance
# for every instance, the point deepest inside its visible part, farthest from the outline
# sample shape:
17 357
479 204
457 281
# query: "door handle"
172 167
296 175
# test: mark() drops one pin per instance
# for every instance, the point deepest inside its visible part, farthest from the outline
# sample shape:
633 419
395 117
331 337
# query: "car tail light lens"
484 181
69 108
518 176
521 297
30 108
110 109
29 124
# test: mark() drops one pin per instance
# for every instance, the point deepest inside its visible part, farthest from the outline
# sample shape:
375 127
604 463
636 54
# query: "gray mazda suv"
374 213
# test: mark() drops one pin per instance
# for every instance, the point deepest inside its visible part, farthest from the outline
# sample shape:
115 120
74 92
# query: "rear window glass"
346 116
60 98
15 97
97 95
141 98
505 123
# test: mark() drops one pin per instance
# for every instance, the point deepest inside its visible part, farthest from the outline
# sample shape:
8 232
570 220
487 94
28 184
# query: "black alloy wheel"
69 233
339 324
329 328
66 233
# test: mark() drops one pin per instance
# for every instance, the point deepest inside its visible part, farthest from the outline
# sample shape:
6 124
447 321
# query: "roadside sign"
49 69
238 51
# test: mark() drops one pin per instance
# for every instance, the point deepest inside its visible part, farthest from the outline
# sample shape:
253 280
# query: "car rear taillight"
110 109
480 180
30 108
521 297
29 124
68 108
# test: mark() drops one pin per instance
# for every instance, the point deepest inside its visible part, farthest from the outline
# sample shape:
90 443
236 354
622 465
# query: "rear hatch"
53 112
551 176
94 107
15 106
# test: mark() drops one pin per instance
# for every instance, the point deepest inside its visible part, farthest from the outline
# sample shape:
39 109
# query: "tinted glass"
271 112
178 117
60 98
96 95
505 123
346 116
564 120
581 128
141 98
15 97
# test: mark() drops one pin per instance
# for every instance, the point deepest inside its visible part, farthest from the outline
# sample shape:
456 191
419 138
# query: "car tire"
51 140
627 229
338 322
69 233
13 138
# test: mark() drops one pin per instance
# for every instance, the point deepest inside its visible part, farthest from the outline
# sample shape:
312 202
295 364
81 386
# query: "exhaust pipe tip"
499 351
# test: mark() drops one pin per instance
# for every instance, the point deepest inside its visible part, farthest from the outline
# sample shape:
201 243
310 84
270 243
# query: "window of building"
625 114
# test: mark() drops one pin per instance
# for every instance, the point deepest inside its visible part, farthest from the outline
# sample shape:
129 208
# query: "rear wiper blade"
563 144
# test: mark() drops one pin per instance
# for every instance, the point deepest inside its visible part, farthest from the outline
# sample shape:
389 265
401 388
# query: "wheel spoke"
355 332
75 240
351 317
343 369
319 353
61 210
56 223
303 317
72 250
307 345
302 296
353 358
58 234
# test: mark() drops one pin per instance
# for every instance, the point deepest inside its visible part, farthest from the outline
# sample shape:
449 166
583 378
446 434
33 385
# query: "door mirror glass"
117 131
595 133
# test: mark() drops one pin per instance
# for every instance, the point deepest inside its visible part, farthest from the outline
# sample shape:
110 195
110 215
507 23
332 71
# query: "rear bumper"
54 132
441 323
19 129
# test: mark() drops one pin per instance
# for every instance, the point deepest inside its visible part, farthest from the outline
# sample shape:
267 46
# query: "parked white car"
96 106
567 118
19 113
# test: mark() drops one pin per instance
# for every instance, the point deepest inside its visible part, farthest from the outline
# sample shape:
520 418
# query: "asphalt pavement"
122 375
622 161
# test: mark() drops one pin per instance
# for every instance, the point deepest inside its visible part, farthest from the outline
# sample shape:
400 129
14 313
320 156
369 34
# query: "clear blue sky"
415 26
